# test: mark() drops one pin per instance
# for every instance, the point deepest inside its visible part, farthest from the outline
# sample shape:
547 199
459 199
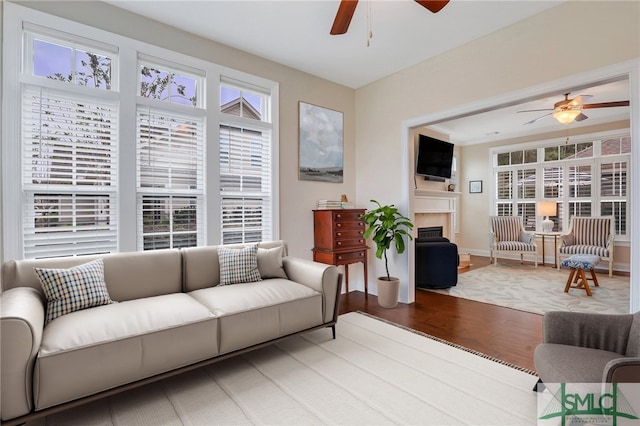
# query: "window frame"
15 17
595 162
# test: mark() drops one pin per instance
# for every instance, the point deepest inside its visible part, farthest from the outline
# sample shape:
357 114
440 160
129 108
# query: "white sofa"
172 315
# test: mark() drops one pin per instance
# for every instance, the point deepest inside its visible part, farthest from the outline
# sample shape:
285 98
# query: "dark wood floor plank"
503 333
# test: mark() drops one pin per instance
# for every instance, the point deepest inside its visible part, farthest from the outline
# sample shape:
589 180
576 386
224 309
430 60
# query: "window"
585 178
120 150
69 151
245 165
170 144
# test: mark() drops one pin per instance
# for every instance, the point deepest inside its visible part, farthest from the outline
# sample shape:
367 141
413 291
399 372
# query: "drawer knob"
361 254
338 215
361 241
339 257
338 225
339 234
339 243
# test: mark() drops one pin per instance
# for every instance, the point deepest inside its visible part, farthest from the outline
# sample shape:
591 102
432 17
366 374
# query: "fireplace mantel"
426 201
429 201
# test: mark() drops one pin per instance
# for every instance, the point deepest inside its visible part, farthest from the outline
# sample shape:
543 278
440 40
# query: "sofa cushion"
252 313
154 272
73 289
96 349
270 262
238 265
201 267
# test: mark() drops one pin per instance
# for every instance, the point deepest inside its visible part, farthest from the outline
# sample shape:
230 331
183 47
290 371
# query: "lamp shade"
566 116
546 208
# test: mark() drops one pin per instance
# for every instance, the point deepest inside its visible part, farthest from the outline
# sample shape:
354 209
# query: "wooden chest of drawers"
338 239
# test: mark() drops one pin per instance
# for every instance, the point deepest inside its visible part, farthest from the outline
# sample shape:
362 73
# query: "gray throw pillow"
270 263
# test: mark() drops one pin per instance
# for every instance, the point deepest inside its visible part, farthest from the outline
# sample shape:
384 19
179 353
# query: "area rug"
540 290
373 373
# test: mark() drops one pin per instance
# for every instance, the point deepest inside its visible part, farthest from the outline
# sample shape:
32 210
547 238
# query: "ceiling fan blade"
606 105
343 17
536 119
537 110
581 117
578 100
434 6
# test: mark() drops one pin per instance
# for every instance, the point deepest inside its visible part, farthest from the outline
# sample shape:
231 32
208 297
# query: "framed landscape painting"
321 133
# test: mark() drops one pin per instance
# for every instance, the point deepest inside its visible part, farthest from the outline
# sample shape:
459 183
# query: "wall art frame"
475 186
321 143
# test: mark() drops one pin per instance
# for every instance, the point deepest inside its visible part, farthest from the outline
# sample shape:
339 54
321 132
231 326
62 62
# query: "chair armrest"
610 241
622 370
321 277
597 331
22 312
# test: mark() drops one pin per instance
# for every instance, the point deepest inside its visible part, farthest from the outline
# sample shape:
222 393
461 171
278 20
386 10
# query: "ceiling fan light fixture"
566 116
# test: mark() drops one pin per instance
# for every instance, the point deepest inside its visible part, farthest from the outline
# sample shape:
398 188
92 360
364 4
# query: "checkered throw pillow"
73 289
238 265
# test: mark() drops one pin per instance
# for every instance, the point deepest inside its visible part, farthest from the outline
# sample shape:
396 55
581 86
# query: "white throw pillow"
270 263
238 265
73 289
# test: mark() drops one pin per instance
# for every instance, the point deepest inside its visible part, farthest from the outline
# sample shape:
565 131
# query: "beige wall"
523 55
520 56
297 198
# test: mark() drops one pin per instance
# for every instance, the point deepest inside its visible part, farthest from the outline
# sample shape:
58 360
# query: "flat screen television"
434 157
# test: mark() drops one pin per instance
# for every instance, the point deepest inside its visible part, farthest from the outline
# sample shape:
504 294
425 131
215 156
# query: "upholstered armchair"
588 235
583 347
436 262
507 235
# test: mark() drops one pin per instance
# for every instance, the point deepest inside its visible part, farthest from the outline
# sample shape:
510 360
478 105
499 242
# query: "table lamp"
546 209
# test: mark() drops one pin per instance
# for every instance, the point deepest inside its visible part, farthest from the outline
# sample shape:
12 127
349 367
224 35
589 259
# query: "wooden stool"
578 263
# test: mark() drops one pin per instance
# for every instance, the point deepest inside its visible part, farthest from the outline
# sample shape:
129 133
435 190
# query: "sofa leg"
539 386
333 331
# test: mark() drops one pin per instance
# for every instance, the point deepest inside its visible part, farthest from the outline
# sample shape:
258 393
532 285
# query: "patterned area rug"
373 373
540 289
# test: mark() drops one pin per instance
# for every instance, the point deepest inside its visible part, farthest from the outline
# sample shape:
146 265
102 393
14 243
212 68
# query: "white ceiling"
296 33
506 122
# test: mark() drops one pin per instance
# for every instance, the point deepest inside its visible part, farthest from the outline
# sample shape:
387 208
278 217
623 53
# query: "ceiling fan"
348 7
568 110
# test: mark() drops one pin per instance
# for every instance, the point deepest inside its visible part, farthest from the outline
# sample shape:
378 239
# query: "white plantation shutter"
245 183
69 173
170 178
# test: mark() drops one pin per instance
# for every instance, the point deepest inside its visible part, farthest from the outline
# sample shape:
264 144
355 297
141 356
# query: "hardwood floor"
503 333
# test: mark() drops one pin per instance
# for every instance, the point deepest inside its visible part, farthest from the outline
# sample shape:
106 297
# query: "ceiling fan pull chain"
369 28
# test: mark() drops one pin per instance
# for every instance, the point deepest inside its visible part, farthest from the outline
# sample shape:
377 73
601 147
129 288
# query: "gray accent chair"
589 348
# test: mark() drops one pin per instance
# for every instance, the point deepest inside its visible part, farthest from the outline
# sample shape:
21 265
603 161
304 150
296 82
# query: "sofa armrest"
597 331
22 312
622 370
323 278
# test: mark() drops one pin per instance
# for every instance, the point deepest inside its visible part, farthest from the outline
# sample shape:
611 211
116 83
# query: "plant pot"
388 292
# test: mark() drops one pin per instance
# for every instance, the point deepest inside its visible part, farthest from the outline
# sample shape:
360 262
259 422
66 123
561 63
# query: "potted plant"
388 227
